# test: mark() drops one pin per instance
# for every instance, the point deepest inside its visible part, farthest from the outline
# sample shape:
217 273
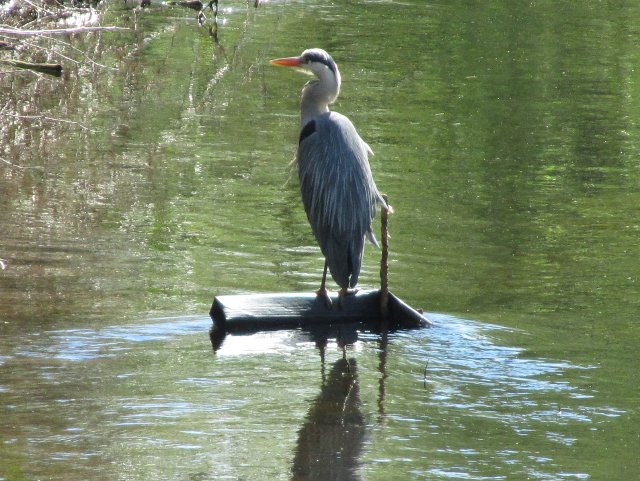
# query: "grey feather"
339 193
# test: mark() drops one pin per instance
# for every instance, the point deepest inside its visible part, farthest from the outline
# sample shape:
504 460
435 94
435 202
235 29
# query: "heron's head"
314 60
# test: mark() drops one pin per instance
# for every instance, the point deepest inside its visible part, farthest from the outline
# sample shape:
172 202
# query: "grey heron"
338 190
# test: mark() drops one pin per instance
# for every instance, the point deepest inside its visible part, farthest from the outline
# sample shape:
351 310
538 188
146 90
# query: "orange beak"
287 62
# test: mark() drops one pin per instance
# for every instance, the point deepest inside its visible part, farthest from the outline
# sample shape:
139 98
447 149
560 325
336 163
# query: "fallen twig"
45 118
11 164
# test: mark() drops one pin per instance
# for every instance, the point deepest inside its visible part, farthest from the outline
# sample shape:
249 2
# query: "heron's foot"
324 294
345 292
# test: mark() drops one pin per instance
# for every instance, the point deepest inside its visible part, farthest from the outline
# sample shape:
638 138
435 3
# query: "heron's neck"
317 95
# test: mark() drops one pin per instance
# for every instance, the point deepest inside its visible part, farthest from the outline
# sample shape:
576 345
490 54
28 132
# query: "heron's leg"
323 292
345 292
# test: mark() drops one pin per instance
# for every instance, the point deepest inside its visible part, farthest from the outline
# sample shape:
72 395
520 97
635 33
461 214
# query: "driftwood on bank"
196 4
54 69
58 31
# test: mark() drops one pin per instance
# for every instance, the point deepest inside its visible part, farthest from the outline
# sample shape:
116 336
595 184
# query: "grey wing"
338 192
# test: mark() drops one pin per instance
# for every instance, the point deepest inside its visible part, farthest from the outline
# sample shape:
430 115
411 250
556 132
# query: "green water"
506 136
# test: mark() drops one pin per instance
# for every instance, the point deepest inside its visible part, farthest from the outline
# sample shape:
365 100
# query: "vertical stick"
384 262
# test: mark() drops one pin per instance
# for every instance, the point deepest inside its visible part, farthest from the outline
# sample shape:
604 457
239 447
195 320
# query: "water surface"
506 138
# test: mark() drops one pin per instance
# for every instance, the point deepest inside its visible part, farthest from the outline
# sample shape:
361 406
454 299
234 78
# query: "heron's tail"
372 238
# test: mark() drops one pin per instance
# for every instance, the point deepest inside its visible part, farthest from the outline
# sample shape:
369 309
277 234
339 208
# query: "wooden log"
254 312
196 4
403 315
54 69
192 4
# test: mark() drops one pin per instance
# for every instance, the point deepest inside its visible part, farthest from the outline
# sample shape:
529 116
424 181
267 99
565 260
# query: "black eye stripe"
317 57
322 58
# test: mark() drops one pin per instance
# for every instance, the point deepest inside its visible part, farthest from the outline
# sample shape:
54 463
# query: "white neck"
318 94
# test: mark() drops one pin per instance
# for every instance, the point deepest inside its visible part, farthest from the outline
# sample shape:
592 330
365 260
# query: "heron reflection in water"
338 190
331 440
